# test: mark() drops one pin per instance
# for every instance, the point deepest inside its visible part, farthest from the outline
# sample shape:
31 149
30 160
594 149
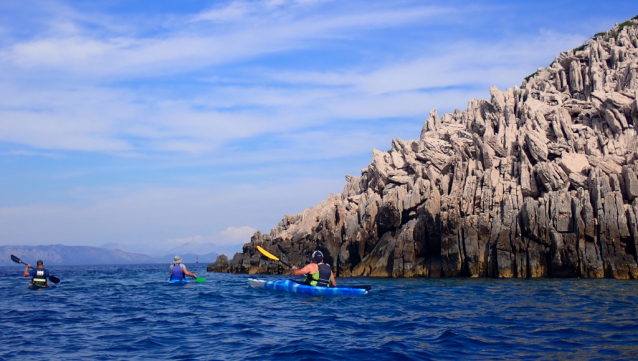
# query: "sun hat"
177 260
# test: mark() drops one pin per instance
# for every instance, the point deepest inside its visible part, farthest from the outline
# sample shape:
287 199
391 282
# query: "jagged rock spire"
538 181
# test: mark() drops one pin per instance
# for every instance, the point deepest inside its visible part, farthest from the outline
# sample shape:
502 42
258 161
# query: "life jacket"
40 277
176 272
320 278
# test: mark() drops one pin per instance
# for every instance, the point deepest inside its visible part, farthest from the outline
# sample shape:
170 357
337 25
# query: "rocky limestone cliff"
538 181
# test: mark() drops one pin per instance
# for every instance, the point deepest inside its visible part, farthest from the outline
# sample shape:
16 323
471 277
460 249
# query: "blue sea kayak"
183 280
296 287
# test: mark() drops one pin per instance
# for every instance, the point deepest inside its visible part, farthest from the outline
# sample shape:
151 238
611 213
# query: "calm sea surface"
129 312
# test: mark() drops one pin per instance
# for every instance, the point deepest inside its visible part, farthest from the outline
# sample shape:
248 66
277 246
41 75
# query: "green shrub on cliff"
624 25
579 48
531 75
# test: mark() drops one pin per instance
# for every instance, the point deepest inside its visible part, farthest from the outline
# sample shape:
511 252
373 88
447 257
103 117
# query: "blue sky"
169 125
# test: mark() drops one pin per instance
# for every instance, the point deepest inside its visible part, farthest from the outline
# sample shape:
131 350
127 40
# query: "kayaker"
317 273
39 275
179 272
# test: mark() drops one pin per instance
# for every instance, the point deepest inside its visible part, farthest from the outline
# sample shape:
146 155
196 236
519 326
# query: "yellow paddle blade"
267 254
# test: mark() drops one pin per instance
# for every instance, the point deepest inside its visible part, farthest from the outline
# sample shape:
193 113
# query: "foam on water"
130 312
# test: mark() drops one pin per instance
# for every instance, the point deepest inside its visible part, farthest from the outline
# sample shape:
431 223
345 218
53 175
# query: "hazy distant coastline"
85 255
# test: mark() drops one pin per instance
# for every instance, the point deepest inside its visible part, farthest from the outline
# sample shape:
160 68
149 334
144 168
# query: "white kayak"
296 287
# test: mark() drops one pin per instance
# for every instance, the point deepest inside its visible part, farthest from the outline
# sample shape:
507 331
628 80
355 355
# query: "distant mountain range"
187 258
84 255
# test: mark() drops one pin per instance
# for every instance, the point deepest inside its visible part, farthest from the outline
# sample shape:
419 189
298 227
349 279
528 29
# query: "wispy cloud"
451 65
31 153
236 10
162 216
241 234
176 125
74 115
261 28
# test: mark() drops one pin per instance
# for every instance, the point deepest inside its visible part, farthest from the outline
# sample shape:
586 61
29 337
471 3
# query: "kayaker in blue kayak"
178 270
317 273
39 275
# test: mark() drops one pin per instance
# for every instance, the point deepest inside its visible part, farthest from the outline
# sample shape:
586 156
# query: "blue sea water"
130 312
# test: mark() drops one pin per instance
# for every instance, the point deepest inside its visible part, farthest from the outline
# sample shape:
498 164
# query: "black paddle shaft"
365 287
285 264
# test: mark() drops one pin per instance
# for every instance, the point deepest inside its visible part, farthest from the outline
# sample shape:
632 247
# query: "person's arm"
26 271
332 279
189 274
186 272
301 272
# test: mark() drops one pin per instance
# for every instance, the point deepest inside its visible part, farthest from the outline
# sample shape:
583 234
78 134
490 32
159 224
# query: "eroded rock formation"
538 181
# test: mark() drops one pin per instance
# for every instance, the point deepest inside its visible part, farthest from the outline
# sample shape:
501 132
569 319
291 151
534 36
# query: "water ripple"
129 312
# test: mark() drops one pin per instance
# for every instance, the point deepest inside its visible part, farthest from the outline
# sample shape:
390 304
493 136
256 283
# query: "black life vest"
324 275
39 277
321 278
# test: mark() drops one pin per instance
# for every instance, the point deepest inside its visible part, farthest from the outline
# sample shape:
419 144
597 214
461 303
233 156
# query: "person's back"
320 277
317 274
178 270
38 275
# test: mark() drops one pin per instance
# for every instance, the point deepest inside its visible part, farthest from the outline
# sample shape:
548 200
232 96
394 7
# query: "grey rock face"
220 265
538 181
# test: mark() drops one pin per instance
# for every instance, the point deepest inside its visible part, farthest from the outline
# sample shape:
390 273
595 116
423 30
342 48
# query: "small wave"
148 342
119 317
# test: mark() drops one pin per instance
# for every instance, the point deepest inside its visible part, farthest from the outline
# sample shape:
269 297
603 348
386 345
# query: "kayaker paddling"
39 275
178 270
314 271
317 273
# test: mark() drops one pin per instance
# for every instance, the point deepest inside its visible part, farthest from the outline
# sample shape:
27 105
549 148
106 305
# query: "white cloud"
29 153
185 240
459 64
72 112
241 233
98 84
234 11
183 49
227 241
161 217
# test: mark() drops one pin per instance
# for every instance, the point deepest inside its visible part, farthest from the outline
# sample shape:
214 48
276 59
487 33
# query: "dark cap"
40 262
317 256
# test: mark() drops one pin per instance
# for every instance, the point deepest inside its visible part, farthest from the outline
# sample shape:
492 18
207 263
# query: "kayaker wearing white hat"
179 272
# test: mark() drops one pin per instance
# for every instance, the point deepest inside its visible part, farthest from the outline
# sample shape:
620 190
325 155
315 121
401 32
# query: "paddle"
365 287
200 280
269 255
18 260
